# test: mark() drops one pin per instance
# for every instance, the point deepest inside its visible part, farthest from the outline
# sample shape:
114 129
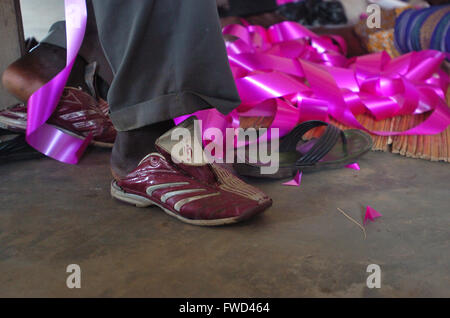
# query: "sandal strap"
289 142
323 145
321 148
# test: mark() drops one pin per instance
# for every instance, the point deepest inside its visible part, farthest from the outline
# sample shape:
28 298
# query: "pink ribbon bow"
294 75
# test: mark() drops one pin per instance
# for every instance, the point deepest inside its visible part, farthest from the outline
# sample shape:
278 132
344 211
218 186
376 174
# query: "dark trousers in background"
167 58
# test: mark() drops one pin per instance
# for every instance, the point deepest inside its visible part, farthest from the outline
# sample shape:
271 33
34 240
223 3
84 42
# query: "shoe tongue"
182 147
201 173
184 143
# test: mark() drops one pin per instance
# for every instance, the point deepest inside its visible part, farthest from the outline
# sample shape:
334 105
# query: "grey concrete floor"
53 215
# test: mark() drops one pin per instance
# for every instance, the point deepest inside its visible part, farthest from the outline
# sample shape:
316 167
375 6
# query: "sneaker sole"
143 202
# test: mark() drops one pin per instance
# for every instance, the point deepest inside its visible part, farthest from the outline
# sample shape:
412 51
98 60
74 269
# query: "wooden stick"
353 220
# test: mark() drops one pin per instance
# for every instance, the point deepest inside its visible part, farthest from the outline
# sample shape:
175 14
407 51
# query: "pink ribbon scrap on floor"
293 75
296 182
371 214
354 166
46 138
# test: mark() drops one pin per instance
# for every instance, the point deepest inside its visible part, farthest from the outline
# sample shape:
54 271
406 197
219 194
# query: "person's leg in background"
168 59
42 63
91 49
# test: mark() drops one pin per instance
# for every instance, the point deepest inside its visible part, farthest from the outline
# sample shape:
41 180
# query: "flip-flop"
334 149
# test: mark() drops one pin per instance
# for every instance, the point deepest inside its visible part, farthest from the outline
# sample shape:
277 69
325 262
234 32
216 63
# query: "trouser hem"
166 107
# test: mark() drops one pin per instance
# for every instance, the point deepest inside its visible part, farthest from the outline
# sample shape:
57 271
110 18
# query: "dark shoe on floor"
199 194
13 147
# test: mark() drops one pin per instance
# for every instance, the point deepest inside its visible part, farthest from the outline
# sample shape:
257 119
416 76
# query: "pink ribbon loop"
46 138
288 69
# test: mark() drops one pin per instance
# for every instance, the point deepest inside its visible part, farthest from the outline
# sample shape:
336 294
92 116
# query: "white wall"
39 15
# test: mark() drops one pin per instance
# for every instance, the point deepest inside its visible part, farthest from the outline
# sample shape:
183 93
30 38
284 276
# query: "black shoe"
13 147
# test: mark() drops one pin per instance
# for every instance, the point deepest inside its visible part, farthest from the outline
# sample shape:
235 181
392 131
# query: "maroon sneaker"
202 194
77 113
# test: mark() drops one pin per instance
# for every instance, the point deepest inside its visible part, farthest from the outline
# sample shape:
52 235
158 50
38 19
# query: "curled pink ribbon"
46 138
304 76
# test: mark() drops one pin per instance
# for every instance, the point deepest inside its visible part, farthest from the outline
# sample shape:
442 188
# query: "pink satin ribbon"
46 138
294 75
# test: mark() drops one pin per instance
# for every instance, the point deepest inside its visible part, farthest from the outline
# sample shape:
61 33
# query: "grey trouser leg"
168 59
91 50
